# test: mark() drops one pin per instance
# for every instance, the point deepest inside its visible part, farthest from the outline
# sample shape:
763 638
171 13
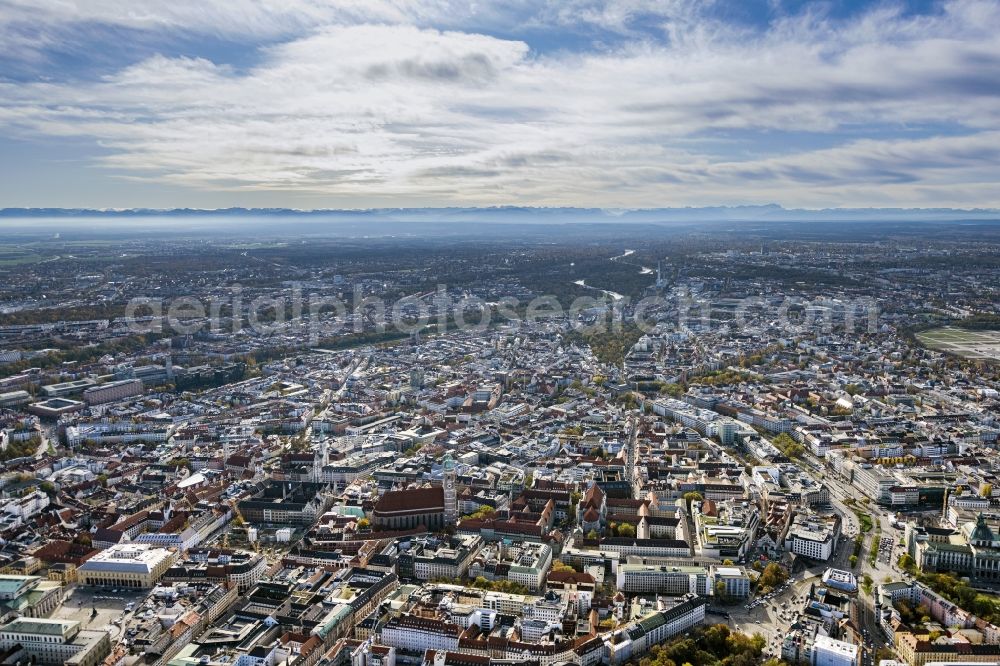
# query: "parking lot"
885 546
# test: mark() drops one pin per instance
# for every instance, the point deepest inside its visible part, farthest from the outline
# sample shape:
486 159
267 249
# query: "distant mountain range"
770 212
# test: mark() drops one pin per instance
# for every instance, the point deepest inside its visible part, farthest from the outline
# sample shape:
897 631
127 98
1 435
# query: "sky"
386 103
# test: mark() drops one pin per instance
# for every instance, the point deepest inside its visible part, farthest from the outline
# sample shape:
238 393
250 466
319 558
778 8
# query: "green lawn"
12 259
866 521
983 344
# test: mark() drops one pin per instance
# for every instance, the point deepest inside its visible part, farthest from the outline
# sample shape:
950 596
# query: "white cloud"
389 111
277 18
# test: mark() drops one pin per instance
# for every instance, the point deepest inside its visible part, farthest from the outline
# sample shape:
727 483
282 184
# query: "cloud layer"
429 103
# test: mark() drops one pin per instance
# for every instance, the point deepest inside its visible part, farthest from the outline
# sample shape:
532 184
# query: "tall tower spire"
450 493
944 507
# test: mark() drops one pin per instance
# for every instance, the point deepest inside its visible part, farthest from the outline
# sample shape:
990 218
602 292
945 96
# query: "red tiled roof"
419 500
569 577
594 496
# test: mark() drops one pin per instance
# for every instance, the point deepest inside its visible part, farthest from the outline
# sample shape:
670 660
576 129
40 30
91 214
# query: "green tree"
884 653
628 401
673 390
692 496
716 638
720 591
788 446
609 347
482 513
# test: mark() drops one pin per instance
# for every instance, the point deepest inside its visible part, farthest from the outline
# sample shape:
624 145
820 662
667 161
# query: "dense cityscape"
460 445
499 333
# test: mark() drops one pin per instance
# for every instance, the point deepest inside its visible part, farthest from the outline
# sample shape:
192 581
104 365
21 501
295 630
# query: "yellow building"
134 565
22 567
62 572
918 651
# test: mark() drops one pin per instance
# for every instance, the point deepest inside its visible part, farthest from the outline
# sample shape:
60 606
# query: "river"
643 270
615 296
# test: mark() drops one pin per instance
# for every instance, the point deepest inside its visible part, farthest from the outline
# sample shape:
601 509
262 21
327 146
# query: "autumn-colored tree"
559 565
774 575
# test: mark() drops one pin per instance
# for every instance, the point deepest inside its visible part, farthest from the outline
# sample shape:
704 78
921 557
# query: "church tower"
321 459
